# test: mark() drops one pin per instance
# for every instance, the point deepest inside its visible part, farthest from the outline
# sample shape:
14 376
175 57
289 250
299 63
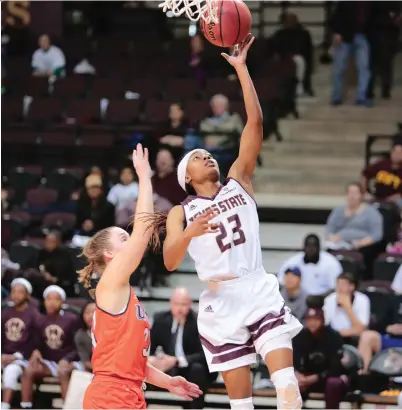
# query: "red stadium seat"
157 111
45 110
36 86
39 199
11 110
195 111
180 89
231 89
108 88
62 221
84 111
73 86
123 112
145 87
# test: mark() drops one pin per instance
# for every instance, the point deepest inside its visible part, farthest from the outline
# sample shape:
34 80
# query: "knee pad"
287 389
11 375
242 404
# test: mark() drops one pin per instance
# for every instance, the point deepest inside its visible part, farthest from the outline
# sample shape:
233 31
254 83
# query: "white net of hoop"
194 9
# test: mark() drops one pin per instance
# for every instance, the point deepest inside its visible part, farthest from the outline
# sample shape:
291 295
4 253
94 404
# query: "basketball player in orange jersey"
242 312
120 329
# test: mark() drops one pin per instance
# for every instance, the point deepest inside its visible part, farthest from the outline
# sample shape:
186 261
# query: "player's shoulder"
176 213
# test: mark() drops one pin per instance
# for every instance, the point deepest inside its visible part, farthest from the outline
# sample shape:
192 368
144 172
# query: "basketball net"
194 9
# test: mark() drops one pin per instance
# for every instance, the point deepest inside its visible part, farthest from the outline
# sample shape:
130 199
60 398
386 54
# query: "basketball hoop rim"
193 9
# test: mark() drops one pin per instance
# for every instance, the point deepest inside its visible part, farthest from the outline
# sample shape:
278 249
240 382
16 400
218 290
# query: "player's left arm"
252 136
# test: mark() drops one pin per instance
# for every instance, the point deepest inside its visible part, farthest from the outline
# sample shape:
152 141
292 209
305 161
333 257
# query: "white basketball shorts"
237 318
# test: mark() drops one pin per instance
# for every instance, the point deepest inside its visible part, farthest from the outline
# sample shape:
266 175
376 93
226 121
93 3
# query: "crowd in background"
43 231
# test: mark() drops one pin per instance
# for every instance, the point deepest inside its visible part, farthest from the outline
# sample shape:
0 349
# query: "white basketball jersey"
234 250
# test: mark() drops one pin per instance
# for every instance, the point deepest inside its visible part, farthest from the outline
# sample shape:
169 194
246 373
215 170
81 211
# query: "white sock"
242 404
5 405
26 404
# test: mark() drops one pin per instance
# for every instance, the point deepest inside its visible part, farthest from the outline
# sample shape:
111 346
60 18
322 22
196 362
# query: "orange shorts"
113 393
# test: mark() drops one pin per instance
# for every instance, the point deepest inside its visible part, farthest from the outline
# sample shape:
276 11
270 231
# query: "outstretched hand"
141 162
179 386
239 54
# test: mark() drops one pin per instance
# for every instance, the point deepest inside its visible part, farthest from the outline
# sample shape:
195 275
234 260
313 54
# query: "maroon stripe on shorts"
236 354
255 326
223 348
268 326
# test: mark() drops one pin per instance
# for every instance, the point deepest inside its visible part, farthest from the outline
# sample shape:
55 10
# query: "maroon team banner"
36 16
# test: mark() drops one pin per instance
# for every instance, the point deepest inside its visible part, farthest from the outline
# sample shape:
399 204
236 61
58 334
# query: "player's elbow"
170 262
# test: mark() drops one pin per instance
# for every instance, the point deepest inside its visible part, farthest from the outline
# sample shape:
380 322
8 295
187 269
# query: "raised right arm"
177 239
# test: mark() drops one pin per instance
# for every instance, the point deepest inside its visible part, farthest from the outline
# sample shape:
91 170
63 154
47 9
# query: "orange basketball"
234 24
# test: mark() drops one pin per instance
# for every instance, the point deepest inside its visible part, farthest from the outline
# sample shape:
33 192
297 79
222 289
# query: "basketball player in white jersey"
242 313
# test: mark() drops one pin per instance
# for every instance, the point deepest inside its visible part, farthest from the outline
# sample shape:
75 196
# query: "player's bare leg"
280 366
239 388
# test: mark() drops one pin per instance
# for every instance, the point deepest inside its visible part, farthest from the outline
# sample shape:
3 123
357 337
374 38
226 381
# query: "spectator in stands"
354 225
55 264
175 345
228 128
294 40
347 310
19 324
294 296
319 269
48 60
175 130
6 201
56 353
351 23
397 282
387 174
165 183
197 62
94 212
124 196
317 353
371 342
82 339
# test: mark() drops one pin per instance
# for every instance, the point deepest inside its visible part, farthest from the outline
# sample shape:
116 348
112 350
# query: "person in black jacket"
317 353
175 345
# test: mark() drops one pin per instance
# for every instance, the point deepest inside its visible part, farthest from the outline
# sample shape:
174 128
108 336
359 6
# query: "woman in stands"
56 354
120 327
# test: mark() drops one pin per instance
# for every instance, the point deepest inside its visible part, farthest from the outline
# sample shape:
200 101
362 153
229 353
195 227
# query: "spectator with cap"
319 269
48 60
371 342
19 325
347 310
56 355
387 175
123 196
94 212
317 354
294 296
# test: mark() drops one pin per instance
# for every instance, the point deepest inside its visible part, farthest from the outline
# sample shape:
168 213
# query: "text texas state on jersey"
234 250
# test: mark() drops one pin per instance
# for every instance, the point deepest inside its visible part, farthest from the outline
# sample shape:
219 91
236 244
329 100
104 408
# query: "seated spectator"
347 310
19 324
175 345
94 212
164 182
176 127
397 282
294 40
197 62
319 269
6 201
124 196
55 264
82 339
354 225
387 174
56 354
48 60
294 296
371 342
317 353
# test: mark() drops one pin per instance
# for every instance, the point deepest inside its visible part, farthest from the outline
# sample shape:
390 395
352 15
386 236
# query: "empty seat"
21 180
84 111
99 139
58 138
11 230
228 88
45 110
145 87
64 182
40 200
195 111
386 266
21 216
107 88
36 86
351 261
25 254
72 86
181 89
123 112
381 307
62 221
11 110
157 111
